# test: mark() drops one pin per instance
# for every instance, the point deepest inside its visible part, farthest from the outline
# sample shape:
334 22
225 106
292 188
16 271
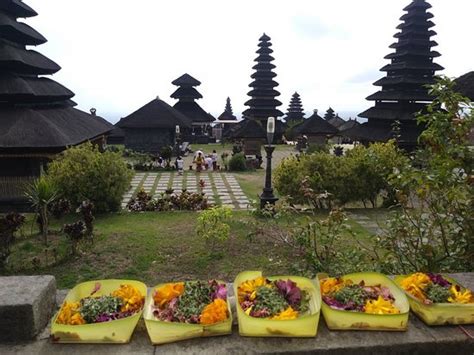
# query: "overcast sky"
117 55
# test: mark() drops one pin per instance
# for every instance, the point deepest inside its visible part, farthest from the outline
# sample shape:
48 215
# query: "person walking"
180 165
214 160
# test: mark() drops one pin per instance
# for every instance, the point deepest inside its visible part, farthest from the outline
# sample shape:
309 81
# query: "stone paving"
220 188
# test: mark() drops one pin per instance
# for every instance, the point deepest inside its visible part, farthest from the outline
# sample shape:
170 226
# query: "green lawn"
152 247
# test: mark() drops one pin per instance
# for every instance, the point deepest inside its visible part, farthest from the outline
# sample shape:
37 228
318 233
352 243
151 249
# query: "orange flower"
415 284
167 292
331 284
460 296
287 314
214 312
380 306
69 314
132 298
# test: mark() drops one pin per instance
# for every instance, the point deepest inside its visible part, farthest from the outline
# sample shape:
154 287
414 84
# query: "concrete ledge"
26 306
419 339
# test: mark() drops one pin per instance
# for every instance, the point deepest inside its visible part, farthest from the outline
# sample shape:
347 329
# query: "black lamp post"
267 196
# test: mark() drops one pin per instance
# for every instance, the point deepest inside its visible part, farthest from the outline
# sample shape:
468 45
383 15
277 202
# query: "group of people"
205 162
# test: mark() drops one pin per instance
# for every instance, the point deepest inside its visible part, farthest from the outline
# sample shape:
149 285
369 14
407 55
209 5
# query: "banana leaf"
161 332
304 326
350 320
116 331
440 313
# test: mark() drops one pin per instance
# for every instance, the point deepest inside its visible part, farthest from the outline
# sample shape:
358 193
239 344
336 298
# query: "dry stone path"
221 189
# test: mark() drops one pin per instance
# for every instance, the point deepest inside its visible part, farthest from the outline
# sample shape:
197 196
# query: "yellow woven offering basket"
116 331
304 326
440 313
350 320
161 332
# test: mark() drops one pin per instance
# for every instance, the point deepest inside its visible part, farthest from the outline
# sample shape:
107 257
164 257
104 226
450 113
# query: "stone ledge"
419 339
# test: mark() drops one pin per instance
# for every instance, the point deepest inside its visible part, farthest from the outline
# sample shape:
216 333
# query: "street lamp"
177 132
267 196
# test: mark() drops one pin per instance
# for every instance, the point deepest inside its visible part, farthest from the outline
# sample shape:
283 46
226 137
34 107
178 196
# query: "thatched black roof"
263 103
348 125
19 32
249 129
17 8
295 109
336 121
315 125
25 61
186 92
155 114
374 131
227 115
36 113
403 90
186 80
194 112
465 85
27 128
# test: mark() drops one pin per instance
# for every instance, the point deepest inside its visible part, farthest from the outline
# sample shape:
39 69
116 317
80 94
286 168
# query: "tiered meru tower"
37 118
403 91
263 103
295 112
187 94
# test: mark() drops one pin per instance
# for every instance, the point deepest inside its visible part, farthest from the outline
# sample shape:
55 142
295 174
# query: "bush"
185 201
237 162
83 173
361 175
9 224
75 233
212 227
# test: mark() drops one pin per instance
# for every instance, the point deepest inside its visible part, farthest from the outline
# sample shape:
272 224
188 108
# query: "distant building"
316 129
186 93
225 122
153 127
37 116
403 92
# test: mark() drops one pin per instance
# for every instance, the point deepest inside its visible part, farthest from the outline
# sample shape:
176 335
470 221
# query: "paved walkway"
220 188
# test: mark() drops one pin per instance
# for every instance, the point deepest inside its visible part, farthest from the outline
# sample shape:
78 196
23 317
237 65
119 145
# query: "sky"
117 55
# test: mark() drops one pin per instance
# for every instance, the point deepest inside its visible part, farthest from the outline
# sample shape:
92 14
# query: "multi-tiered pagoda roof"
295 110
187 94
315 125
263 103
228 114
403 90
36 113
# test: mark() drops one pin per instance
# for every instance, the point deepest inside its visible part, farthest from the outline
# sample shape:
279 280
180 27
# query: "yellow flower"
214 312
167 292
248 287
415 284
460 296
132 298
287 314
380 306
332 284
69 314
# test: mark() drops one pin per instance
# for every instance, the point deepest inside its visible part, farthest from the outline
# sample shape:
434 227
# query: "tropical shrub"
60 207
85 209
9 224
212 227
84 173
169 201
75 232
433 231
237 162
41 194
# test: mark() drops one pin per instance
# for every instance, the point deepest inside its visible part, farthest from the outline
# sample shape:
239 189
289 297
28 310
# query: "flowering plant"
194 302
434 288
121 303
344 294
276 300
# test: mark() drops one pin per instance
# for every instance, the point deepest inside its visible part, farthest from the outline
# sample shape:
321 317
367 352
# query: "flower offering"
104 311
278 300
438 299
184 310
344 294
194 302
365 301
280 306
